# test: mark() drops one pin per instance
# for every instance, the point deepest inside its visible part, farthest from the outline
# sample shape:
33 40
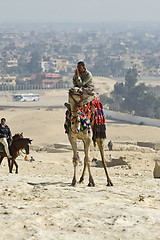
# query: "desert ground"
39 202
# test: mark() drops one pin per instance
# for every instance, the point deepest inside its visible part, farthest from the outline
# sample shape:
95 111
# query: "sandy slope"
39 202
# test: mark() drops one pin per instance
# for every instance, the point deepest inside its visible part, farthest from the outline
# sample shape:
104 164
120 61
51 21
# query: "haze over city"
41 43
27 11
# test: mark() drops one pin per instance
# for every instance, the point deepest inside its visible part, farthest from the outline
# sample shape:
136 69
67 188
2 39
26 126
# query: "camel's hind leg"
87 163
100 145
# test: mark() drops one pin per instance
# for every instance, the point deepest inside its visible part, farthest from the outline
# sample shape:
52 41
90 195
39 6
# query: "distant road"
47 99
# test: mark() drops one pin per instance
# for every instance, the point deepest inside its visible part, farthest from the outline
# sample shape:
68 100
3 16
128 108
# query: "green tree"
119 89
131 78
106 100
133 99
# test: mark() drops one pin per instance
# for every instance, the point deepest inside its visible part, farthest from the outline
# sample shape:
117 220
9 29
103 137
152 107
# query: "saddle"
1 148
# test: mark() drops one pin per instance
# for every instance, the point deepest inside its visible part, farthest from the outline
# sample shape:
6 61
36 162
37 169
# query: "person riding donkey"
5 136
82 80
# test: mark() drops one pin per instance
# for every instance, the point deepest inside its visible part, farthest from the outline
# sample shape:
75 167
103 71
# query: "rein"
23 152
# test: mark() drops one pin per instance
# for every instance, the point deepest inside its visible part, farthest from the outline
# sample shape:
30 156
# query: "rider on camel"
83 79
5 135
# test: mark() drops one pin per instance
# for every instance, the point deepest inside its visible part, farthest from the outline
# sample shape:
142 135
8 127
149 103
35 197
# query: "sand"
39 203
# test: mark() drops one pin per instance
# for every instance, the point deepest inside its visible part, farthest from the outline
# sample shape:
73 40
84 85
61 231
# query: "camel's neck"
74 114
74 107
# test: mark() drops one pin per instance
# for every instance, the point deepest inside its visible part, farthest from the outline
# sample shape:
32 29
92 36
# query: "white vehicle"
28 97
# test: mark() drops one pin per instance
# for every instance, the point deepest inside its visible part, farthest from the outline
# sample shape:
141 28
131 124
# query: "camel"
76 97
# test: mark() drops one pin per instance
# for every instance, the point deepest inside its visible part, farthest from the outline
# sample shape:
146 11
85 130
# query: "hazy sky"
79 10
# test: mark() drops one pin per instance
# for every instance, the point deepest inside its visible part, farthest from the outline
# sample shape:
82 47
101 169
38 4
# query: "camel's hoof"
73 184
81 182
109 184
91 185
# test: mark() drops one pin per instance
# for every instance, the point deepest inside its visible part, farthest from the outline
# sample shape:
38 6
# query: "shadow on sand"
61 184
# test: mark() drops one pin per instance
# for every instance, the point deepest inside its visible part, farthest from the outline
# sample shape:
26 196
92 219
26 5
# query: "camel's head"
78 94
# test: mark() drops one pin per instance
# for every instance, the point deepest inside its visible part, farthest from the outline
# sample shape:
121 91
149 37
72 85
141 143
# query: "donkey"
17 144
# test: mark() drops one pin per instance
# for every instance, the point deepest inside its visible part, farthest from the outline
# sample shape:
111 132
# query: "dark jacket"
5 131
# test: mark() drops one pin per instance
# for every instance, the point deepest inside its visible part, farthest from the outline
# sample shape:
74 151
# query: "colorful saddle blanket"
85 119
81 121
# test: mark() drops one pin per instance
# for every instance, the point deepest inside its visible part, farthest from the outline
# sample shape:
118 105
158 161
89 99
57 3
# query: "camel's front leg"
75 163
85 162
84 171
87 142
100 145
91 181
75 159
